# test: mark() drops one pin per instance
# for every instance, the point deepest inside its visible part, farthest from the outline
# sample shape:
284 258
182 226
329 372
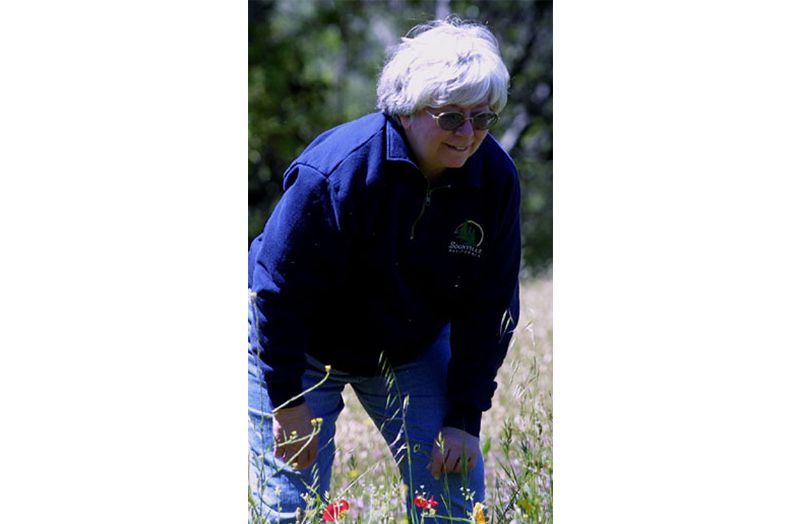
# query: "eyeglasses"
452 120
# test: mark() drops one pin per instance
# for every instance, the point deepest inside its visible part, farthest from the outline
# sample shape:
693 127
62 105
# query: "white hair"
444 62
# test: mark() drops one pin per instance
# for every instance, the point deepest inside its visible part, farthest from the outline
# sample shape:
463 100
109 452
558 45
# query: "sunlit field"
516 439
516 435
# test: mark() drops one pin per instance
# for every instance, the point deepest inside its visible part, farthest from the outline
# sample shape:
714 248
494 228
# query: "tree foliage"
313 64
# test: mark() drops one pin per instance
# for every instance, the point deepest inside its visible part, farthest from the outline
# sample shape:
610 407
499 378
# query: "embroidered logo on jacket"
467 240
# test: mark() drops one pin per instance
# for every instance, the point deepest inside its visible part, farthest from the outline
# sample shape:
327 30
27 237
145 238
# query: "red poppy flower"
335 510
422 502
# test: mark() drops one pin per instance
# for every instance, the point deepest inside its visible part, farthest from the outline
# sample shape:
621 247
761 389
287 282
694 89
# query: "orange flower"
335 510
422 502
477 514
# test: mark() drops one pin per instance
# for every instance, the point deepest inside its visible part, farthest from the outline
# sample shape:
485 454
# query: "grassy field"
516 434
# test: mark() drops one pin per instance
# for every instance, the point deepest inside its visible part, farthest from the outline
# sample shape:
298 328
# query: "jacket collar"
396 147
470 175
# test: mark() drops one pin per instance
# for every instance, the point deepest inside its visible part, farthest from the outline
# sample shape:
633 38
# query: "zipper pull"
421 212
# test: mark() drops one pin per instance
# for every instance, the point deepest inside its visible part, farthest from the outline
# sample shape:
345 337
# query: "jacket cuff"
280 392
464 418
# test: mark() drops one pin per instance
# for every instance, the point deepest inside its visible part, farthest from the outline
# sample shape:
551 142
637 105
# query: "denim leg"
410 428
277 489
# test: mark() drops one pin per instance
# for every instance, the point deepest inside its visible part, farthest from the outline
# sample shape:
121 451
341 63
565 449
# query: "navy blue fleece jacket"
362 256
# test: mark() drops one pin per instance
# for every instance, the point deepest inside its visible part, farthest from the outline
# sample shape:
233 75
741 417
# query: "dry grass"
516 433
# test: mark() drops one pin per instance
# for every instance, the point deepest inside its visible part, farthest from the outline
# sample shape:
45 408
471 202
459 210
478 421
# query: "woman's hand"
295 437
455 451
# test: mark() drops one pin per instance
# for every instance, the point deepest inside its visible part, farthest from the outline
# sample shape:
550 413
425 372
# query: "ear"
406 121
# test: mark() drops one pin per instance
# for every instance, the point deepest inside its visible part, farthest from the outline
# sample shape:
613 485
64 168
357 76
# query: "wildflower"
478 516
422 502
335 510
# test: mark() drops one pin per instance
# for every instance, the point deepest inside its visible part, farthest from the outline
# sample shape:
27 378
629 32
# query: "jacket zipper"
425 205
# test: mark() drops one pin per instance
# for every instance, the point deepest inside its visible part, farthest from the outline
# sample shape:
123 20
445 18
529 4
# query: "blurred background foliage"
313 64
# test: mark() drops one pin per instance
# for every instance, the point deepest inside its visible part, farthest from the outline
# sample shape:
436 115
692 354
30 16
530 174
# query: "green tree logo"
469 233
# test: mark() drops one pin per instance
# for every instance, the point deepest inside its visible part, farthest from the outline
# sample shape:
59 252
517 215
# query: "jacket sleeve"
482 328
291 268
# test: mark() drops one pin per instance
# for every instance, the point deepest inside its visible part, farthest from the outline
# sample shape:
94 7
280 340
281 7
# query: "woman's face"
436 149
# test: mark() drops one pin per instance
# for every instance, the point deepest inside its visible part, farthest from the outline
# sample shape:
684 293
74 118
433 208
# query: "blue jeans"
409 430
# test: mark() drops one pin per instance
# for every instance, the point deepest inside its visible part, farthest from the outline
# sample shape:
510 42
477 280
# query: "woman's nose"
465 128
